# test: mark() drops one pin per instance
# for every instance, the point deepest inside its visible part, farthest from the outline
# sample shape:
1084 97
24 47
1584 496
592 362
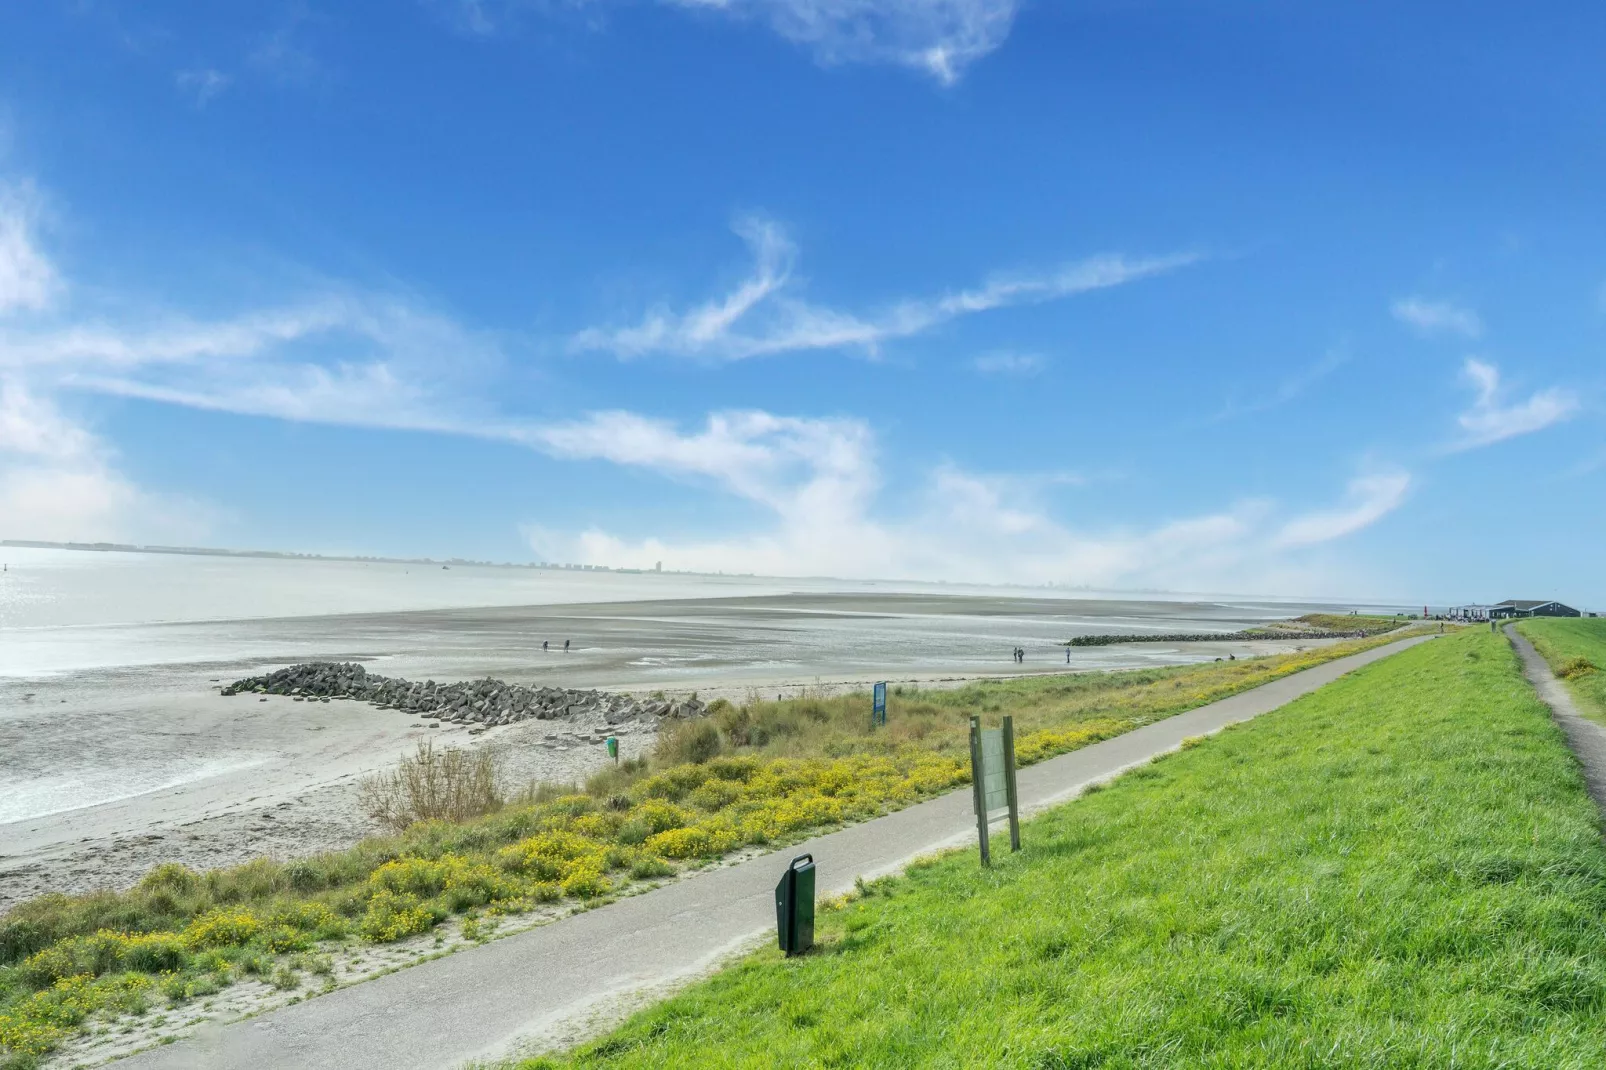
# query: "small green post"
1009 783
978 788
613 749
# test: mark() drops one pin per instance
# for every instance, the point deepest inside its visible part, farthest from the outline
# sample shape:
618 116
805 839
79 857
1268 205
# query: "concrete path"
476 1004
1586 738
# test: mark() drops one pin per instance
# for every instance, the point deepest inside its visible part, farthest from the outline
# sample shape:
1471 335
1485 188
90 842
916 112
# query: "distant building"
1474 612
1517 607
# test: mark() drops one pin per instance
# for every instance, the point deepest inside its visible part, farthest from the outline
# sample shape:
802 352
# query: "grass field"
1575 649
1401 869
1349 622
759 773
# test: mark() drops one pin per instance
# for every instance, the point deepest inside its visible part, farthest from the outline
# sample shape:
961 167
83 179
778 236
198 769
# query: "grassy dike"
1401 869
1575 649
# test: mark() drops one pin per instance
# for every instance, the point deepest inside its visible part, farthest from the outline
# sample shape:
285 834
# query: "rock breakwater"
484 702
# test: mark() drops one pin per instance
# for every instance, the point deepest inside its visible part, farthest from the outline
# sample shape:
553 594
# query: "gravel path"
559 983
1586 738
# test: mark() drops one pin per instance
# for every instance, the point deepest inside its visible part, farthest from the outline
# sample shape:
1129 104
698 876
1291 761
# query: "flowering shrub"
392 916
222 928
410 876
549 856
715 794
41 1021
1047 742
313 918
681 843
661 816
584 880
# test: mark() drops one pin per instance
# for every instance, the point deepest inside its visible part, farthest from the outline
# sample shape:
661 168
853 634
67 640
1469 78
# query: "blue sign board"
878 712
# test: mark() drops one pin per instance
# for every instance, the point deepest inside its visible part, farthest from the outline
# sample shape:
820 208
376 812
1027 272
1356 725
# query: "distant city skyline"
1303 302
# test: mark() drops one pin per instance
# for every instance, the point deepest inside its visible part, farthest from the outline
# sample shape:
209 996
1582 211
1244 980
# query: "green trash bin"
794 906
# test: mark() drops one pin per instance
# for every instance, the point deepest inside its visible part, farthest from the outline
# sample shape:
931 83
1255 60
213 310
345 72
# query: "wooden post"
1009 783
978 774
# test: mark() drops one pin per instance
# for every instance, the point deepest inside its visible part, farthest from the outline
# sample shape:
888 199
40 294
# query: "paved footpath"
1586 738
476 1004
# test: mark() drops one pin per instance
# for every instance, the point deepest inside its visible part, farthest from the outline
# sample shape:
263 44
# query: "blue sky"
1226 296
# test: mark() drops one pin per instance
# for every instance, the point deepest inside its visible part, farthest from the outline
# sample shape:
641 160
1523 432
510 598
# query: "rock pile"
484 702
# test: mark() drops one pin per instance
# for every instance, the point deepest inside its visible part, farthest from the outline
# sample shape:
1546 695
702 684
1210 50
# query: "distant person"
545 644
1067 655
565 646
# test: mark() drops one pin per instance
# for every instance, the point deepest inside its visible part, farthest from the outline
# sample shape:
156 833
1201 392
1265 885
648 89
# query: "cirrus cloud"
1489 421
764 315
1438 318
939 38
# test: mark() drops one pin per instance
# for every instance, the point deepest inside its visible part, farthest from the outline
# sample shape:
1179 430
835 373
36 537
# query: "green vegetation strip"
1310 626
1401 869
1575 649
756 774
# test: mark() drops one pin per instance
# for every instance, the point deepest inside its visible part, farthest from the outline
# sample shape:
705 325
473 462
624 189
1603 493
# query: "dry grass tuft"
434 785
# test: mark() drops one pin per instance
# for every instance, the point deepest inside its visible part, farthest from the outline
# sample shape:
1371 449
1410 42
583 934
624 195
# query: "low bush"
451 784
1573 668
694 741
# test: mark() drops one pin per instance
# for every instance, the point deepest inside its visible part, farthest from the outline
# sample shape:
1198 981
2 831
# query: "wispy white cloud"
28 281
1370 498
346 358
806 470
763 315
1438 318
59 481
1288 390
940 38
819 480
1006 363
1489 421
282 53
202 84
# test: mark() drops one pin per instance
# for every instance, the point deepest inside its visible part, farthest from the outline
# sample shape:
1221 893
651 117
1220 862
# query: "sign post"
992 779
878 708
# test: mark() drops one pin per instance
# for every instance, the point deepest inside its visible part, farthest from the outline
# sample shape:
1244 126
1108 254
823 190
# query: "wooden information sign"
992 778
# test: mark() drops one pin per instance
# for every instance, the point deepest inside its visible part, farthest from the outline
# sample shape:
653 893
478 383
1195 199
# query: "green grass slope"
1402 869
1576 651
